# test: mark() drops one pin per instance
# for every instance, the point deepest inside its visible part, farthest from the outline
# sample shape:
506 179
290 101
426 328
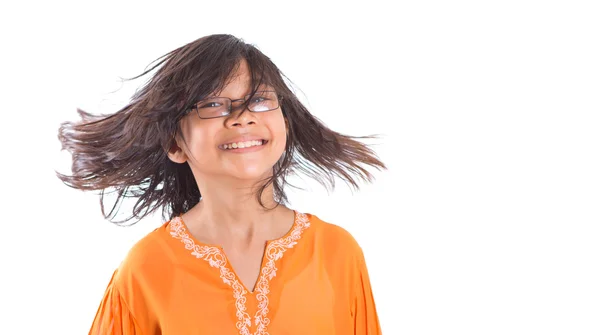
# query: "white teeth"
242 145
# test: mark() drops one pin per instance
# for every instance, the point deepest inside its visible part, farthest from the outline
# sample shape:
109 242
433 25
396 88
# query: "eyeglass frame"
231 101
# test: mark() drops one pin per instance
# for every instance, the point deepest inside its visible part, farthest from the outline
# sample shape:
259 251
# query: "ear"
176 154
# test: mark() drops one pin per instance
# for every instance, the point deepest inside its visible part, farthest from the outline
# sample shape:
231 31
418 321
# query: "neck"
233 215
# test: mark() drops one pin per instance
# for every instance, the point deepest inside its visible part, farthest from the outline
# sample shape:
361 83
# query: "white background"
485 223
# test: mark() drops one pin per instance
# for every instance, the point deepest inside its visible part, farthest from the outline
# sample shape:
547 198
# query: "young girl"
210 139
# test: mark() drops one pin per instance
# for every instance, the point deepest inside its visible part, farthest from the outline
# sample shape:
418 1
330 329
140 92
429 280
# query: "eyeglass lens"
262 101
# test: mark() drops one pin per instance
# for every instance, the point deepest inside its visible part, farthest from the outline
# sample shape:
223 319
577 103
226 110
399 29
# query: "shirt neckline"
184 226
216 258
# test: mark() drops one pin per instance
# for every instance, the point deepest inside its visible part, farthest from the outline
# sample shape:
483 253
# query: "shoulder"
147 256
132 290
337 251
332 231
334 238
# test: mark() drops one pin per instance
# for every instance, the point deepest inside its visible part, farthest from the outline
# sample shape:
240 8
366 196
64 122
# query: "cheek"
276 124
201 146
278 131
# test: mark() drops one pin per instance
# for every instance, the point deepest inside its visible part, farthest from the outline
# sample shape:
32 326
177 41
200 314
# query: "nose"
241 117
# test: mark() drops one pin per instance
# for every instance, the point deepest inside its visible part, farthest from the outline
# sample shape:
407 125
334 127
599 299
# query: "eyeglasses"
261 101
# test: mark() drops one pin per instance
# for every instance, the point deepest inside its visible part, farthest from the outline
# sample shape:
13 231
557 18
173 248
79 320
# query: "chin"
250 173
251 168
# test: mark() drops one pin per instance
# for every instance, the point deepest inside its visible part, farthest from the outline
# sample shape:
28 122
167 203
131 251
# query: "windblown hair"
128 150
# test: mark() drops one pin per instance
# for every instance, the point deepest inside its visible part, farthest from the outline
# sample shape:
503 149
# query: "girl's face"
205 151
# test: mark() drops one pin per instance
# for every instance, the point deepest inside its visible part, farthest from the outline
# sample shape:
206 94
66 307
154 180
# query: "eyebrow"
261 88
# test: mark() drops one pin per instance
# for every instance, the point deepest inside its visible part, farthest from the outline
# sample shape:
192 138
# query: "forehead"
240 83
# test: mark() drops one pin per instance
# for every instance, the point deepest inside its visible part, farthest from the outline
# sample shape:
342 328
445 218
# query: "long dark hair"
128 150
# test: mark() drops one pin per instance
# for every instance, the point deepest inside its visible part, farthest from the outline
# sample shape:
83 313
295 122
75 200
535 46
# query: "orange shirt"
313 281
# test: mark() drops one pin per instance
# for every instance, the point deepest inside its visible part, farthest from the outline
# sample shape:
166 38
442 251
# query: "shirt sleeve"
366 321
113 316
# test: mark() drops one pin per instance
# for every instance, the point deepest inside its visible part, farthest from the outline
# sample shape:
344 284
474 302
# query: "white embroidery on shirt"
217 259
274 252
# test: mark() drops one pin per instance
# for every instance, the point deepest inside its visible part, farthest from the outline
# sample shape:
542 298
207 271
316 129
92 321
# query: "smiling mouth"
242 145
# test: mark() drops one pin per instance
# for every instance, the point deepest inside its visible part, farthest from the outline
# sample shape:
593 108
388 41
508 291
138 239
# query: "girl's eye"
209 105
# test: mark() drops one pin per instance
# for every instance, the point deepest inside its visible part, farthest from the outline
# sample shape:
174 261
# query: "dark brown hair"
128 150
